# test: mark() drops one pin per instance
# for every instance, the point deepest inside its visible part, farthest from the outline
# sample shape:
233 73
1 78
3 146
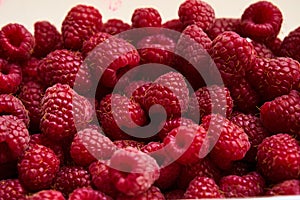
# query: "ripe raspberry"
38 167
10 77
197 35
132 87
93 41
16 42
262 50
145 17
278 158
174 194
90 145
290 45
138 95
196 12
87 194
132 171
223 24
289 187
122 144
31 95
30 70
231 142
11 105
249 185
80 24
152 193
70 178
254 129
203 187
274 77
275 46
14 138
115 111
12 189
173 24
282 114
47 39
63 110
115 26
47 195
261 21
239 168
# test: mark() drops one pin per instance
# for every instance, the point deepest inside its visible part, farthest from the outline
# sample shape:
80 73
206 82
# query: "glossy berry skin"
173 24
80 24
152 193
145 17
115 26
30 70
123 144
281 115
196 12
88 193
262 50
223 24
10 77
93 42
38 167
290 45
202 187
47 195
288 187
12 189
278 158
16 42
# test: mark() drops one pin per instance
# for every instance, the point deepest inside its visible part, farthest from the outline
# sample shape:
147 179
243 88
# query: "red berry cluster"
165 133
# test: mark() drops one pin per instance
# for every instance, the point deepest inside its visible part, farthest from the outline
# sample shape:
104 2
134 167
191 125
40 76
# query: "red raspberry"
133 86
196 12
115 26
63 110
290 45
70 178
88 194
239 168
262 50
174 194
173 24
138 95
93 42
122 144
12 189
231 142
31 95
289 187
274 77
282 114
47 195
47 39
16 42
14 138
80 24
139 171
11 105
254 129
152 193
115 111
223 24
90 145
30 70
275 46
278 158
10 77
203 187
261 21
38 167
249 185
205 168
145 17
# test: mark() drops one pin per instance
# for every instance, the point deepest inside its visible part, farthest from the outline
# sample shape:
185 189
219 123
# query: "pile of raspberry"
72 127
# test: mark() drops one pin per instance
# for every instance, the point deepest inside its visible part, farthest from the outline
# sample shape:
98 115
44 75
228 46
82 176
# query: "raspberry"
202 187
282 114
249 185
89 145
63 110
16 42
30 70
31 95
133 86
115 111
138 95
11 105
115 26
14 138
152 193
38 167
278 158
174 194
70 178
87 194
145 17
231 142
223 24
10 77
254 129
47 39
93 41
262 50
275 46
122 144
240 168
290 45
196 12
47 195
173 24
12 189
289 187
80 24
261 21
140 171
274 77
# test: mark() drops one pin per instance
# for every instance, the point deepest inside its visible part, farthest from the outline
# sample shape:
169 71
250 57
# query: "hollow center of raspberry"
4 70
15 39
261 17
